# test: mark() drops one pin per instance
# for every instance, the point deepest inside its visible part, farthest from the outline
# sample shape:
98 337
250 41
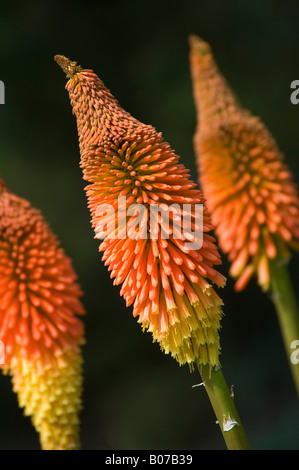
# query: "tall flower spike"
166 280
39 304
250 194
164 274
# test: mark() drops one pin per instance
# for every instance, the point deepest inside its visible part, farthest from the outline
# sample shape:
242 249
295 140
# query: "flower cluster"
250 193
39 327
165 280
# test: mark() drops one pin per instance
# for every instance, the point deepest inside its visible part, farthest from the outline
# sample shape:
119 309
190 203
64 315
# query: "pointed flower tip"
69 67
200 46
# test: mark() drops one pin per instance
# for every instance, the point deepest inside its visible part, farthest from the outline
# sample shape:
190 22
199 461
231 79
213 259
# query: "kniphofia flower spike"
167 281
250 192
39 327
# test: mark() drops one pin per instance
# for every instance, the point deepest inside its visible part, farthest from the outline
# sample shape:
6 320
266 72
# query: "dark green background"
135 397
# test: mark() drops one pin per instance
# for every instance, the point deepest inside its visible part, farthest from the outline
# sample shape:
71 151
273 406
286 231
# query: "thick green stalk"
224 407
284 300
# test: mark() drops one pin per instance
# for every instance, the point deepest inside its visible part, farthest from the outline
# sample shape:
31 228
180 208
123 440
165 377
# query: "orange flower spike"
127 162
39 304
250 194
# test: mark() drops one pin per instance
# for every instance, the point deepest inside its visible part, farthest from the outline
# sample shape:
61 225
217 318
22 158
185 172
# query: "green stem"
224 408
287 311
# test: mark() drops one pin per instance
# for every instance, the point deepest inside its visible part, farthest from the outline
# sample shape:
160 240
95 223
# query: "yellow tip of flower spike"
51 396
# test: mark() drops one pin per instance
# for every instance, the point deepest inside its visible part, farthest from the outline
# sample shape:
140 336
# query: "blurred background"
135 397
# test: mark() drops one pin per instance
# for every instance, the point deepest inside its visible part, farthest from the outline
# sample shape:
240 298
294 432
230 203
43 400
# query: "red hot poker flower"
250 194
165 279
39 304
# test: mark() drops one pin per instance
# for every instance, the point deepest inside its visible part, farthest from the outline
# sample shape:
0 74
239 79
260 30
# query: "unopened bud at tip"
69 67
199 45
